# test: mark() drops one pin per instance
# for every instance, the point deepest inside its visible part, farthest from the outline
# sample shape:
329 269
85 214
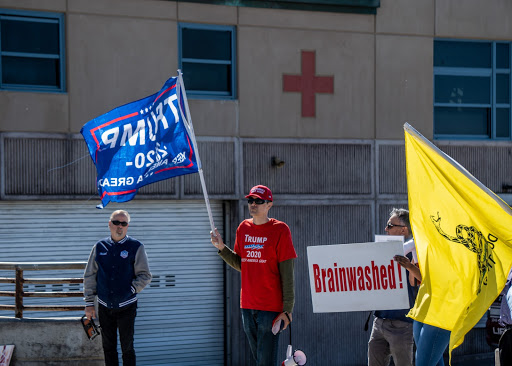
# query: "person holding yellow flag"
392 335
430 341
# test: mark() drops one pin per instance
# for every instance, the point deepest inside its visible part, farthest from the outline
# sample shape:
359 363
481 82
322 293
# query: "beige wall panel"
214 117
131 8
489 19
116 60
406 17
266 111
33 112
42 5
403 85
202 13
306 19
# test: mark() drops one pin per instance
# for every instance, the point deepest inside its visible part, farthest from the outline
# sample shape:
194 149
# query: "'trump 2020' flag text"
141 143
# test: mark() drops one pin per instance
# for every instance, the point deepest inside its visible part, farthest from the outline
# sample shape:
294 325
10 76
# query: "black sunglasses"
257 201
122 223
390 225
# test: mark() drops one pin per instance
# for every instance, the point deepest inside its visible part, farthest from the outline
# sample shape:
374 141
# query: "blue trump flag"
141 143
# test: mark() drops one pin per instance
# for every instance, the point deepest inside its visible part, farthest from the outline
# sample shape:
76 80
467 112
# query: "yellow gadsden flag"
463 236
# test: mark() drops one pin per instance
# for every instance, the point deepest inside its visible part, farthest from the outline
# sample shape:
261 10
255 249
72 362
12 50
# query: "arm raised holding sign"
414 271
392 330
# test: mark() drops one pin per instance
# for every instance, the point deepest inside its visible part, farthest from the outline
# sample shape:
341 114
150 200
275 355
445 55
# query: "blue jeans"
110 321
430 344
258 329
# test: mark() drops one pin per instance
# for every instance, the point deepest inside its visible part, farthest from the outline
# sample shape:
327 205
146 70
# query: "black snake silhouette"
475 241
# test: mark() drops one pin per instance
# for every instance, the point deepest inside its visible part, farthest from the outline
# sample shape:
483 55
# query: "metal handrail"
19 281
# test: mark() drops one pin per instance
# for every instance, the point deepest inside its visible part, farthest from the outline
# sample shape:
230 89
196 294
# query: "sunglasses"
117 223
257 201
390 225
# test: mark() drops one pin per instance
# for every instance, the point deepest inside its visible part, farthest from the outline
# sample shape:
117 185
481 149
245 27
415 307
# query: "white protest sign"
409 246
357 277
399 238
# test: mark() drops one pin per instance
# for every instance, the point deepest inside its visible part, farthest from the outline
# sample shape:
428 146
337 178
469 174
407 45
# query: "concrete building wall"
381 64
34 112
406 18
474 19
112 45
404 85
345 56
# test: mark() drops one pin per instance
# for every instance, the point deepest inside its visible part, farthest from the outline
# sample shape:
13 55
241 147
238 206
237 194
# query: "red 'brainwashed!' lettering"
360 278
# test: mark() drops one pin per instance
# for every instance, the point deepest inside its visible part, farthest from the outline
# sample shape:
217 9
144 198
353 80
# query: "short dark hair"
403 216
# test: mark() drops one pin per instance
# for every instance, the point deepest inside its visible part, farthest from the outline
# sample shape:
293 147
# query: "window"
207 60
31 51
472 86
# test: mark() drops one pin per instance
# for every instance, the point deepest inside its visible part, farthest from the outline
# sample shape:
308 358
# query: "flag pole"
190 129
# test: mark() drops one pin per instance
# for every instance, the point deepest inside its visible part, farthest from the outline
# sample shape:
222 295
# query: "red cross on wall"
308 83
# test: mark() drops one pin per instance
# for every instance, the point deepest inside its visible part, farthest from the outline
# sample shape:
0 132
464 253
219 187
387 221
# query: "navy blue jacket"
116 271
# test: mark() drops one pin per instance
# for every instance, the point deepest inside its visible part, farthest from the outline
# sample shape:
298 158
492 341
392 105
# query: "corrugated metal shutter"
180 318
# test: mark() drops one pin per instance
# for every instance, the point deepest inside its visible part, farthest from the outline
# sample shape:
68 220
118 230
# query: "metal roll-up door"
180 318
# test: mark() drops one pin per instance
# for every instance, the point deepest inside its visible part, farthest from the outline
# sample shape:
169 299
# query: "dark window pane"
503 122
461 121
206 44
462 89
502 56
502 88
30 71
29 37
462 54
207 77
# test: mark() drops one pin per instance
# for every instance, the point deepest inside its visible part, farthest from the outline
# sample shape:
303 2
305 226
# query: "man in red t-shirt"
264 255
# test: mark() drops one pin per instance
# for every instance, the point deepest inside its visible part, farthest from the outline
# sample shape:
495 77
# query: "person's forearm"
414 273
231 258
287 284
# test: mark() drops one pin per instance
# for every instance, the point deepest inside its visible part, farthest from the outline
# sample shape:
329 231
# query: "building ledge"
339 6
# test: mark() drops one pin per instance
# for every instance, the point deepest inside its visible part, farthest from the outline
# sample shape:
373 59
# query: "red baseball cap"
261 192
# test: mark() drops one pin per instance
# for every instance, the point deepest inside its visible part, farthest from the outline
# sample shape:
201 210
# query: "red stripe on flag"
106 124
183 166
117 193
175 167
172 87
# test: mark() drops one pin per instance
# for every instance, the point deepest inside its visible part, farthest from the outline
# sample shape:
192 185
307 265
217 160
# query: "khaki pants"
390 338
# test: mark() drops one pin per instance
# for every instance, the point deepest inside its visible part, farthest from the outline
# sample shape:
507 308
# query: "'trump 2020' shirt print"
253 246
262 248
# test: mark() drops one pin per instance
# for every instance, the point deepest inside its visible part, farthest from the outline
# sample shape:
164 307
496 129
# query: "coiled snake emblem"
475 241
